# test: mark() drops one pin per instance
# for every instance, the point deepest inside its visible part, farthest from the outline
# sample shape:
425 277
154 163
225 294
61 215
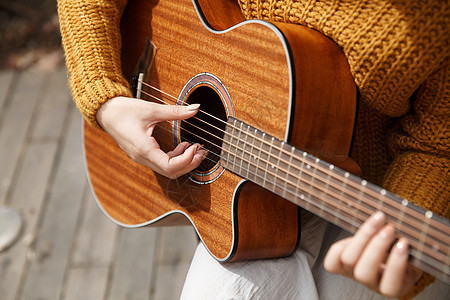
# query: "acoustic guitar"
277 115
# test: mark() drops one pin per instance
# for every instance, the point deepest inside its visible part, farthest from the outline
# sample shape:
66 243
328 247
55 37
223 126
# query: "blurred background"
65 247
29 35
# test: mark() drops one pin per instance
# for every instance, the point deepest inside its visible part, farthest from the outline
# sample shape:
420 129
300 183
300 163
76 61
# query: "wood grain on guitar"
272 90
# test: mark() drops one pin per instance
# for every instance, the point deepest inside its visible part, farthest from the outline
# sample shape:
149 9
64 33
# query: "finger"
161 112
196 161
367 269
179 149
396 279
186 161
353 252
173 167
332 261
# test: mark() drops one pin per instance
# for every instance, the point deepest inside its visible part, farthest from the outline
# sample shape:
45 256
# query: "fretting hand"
365 257
131 123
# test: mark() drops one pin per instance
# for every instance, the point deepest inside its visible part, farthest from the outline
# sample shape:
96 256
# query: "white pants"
300 276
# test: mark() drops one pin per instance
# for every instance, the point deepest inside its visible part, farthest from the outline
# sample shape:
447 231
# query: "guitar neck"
334 194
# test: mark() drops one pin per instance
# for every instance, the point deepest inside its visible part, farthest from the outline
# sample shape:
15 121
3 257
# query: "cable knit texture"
91 39
398 55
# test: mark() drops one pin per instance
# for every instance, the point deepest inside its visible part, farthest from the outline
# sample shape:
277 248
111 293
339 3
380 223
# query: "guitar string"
323 194
376 195
430 259
344 219
423 259
241 149
203 130
176 101
220 120
200 137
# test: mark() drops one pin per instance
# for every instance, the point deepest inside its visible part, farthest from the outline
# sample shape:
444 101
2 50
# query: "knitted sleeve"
421 141
91 40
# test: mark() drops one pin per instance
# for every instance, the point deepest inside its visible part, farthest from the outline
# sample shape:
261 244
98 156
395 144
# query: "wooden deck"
67 248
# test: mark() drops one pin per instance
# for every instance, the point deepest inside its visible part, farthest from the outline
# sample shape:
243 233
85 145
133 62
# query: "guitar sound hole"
207 126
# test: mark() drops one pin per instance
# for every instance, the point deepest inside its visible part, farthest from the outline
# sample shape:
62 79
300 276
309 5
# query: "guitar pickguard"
183 191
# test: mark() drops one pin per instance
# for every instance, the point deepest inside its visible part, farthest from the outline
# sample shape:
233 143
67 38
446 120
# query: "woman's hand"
365 257
131 122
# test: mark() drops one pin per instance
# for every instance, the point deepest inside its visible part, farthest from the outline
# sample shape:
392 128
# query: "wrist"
108 110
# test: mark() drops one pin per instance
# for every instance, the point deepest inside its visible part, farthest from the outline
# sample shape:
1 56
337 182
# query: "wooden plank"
92 253
133 271
28 198
86 283
170 239
176 246
34 172
6 78
170 280
95 241
53 106
46 272
17 118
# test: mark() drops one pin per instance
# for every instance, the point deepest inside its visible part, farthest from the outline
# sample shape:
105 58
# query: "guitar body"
286 80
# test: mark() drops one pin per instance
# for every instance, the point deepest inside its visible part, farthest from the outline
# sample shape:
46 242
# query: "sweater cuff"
95 94
420 285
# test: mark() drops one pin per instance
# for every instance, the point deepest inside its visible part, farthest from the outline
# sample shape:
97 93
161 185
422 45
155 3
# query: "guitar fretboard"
334 194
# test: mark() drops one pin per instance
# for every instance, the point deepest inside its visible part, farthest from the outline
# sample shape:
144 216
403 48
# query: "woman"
398 56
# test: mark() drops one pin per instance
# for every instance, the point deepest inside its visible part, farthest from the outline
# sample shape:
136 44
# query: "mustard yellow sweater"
398 54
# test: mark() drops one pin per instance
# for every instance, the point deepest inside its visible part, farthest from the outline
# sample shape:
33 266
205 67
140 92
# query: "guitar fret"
264 160
258 157
250 155
280 172
269 166
277 187
245 152
328 178
421 246
286 177
311 181
427 263
402 213
226 150
341 195
361 192
240 144
229 141
235 145
301 196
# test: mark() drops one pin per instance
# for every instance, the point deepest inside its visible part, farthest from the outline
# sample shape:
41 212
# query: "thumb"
175 112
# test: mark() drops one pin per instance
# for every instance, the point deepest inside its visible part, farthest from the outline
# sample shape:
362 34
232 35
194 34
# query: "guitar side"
235 219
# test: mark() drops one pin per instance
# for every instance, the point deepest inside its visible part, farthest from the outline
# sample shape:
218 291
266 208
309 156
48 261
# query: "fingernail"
401 246
378 216
375 222
386 233
192 107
